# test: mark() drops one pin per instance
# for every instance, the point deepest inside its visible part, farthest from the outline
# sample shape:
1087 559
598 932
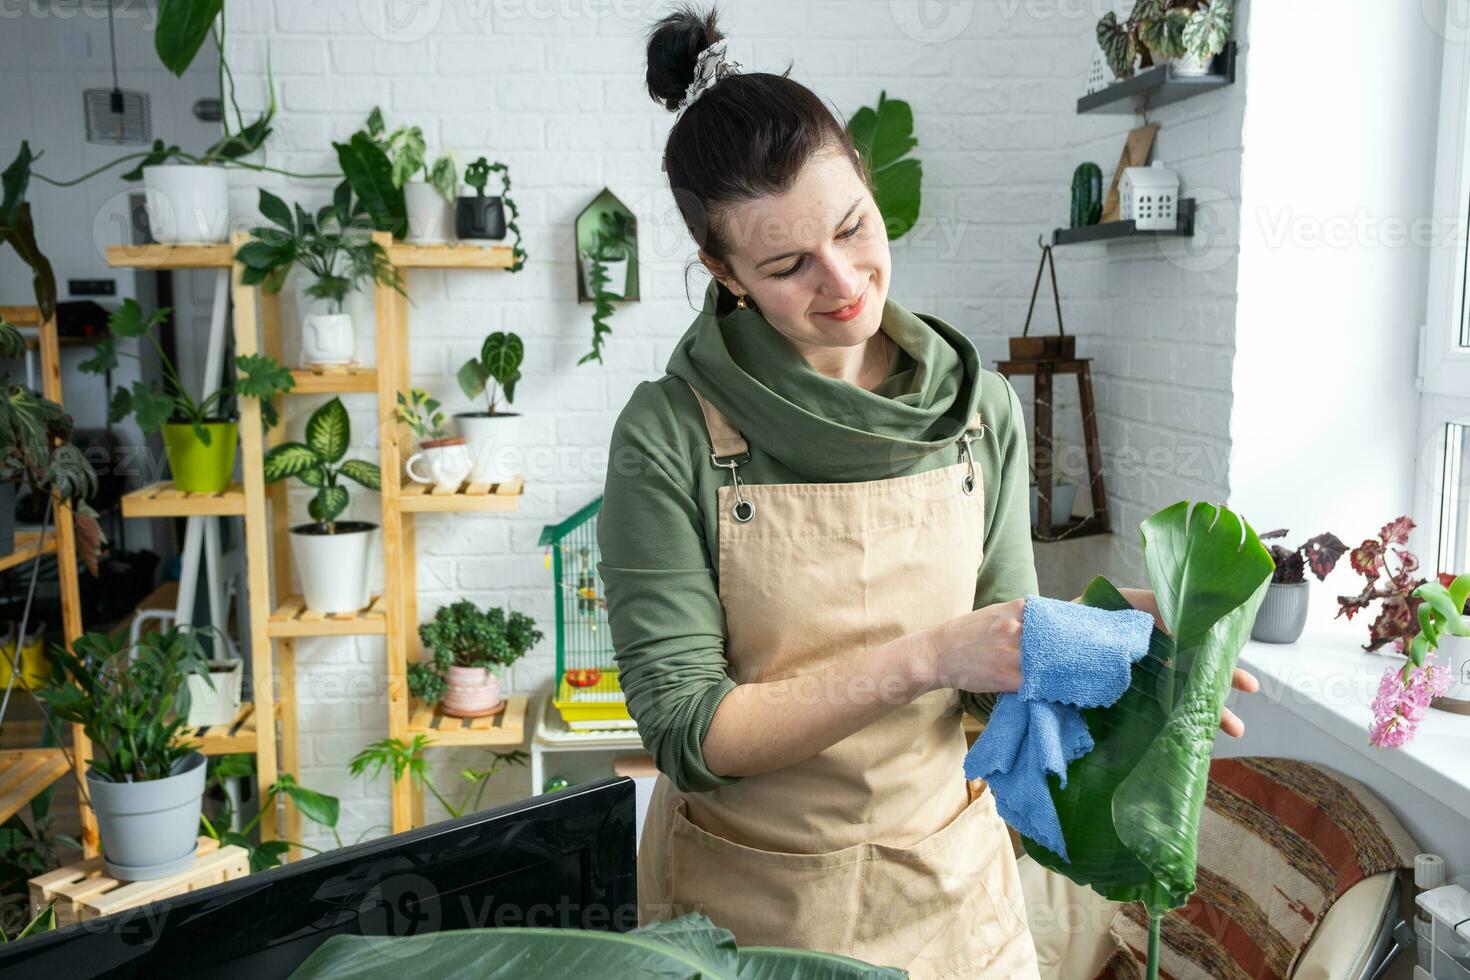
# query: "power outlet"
92 287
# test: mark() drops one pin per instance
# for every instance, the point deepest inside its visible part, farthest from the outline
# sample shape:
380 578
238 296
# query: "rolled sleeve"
668 627
1008 566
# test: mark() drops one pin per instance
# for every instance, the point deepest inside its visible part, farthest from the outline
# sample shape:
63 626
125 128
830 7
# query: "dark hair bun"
674 46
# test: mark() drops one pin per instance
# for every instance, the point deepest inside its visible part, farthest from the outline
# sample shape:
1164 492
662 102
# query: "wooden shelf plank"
25 548
292 618
407 255
210 256
24 773
506 728
417 498
1160 86
238 736
164 500
334 380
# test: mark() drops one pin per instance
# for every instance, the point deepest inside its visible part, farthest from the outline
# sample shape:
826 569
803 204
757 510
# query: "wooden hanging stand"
1043 358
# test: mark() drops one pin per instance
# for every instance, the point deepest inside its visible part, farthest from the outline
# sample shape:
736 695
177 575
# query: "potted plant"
1405 692
499 364
331 556
35 451
1453 640
481 216
612 243
145 785
446 457
215 695
336 247
429 200
1397 619
199 438
1283 612
1188 33
468 649
400 757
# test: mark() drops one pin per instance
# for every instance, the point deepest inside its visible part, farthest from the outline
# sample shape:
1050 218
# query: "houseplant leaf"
327 431
19 231
884 136
1130 811
290 459
182 27
363 472
688 947
370 174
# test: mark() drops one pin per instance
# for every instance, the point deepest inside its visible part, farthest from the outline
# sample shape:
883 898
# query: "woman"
815 547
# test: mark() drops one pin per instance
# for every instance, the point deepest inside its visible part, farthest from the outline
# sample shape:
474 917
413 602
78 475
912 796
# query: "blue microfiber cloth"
1072 657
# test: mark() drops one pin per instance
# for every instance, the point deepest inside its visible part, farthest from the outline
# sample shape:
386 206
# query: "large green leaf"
688 948
884 136
19 231
328 503
1130 811
182 28
370 174
363 472
328 431
291 459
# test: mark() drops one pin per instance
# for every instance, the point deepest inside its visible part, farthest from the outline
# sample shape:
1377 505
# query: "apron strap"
724 437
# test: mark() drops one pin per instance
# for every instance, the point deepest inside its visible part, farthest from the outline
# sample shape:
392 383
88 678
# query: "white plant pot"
1453 653
617 276
430 216
327 339
496 450
217 705
441 463
187 203
1190 67
334 567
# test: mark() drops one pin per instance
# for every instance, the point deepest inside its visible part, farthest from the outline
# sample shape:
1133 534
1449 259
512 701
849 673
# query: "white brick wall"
554 88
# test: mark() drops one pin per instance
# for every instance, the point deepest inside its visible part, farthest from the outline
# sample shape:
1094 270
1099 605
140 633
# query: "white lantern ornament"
1149 197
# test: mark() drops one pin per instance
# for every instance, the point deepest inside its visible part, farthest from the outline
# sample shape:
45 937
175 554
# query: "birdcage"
587 691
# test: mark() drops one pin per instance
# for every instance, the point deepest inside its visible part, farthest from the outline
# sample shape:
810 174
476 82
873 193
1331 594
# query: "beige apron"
875 847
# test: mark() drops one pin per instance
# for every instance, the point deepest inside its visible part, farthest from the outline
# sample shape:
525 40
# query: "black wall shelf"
1126 230
1160 86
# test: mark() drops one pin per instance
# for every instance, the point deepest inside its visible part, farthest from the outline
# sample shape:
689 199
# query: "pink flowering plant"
1405 694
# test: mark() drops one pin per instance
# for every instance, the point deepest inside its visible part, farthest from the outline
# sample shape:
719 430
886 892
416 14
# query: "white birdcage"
1149 197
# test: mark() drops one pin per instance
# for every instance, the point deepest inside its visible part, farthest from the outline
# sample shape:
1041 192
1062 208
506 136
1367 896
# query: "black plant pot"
479 217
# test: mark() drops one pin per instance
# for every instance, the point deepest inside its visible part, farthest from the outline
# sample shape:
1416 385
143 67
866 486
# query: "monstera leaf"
883 137
689 947
1131 809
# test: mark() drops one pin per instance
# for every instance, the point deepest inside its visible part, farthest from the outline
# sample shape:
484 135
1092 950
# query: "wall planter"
187 203
198 468
149 828
334 565
591 230
471 692
430 214
217 700
1283 613
479 218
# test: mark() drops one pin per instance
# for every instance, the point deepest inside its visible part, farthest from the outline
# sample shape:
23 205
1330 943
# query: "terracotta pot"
473 693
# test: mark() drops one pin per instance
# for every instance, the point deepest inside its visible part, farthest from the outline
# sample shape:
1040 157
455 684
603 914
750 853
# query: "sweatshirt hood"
823 428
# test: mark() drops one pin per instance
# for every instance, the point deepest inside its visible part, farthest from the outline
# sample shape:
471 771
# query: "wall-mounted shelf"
1115 231
409 255
1159 86
210 256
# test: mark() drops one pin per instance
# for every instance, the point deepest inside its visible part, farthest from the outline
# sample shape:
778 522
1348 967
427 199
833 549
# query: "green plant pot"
198 468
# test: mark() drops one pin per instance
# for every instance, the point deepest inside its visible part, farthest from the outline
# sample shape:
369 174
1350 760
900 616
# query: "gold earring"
740 303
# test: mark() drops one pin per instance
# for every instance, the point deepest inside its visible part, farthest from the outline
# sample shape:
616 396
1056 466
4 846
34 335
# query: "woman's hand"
1230 722
975 651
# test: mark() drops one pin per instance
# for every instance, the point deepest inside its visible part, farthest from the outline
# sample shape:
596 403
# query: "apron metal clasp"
744 510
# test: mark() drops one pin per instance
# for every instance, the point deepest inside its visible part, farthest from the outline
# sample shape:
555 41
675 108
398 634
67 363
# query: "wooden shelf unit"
243 499
63 541
334 380
25 548
292 618
506 728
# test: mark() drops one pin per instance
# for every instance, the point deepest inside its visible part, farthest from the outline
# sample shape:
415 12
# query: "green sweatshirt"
658 529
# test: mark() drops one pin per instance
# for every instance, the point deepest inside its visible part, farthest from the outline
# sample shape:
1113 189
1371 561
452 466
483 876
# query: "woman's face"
813 259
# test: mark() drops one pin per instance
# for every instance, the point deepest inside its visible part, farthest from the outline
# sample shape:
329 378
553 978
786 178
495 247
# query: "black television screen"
563 860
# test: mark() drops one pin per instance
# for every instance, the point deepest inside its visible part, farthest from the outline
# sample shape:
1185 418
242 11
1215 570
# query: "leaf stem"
1154 921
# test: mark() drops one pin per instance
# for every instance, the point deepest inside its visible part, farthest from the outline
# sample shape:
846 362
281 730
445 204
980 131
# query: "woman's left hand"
1242 680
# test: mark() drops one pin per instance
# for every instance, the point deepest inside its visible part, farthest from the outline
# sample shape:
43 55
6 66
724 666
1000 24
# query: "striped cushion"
1279 841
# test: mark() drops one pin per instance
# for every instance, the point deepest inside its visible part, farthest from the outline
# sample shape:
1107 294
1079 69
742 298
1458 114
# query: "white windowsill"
1328 680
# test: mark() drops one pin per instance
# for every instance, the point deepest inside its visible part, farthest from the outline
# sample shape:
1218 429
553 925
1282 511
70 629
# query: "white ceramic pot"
217 705
187 203
617 276
495 445
430 216
1190 67
1453 653
446 464
149 829
326 339
334 567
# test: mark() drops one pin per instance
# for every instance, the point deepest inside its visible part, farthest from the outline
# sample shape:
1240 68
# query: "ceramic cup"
447 461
